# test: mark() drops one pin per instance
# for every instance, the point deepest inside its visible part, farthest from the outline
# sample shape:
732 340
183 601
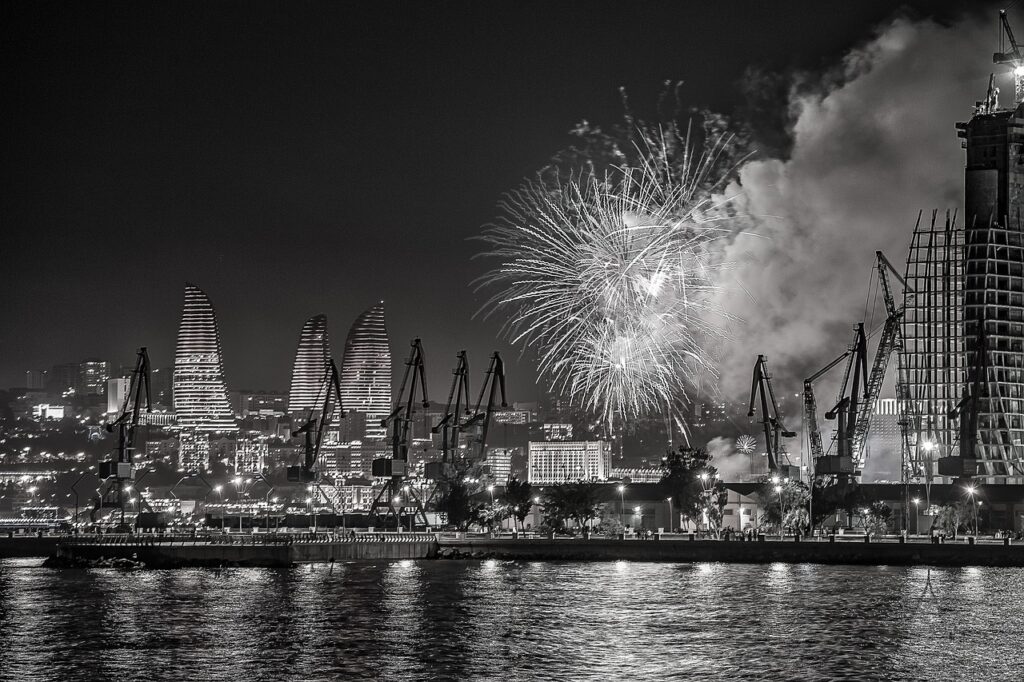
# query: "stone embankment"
890 552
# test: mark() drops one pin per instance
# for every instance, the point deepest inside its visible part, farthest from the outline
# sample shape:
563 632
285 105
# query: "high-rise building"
200 392
311 358
366 371
94 376
250 455
993 331
117 389
193 450
560 461
884 444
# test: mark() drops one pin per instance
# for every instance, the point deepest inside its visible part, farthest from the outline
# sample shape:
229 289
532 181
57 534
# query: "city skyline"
307 160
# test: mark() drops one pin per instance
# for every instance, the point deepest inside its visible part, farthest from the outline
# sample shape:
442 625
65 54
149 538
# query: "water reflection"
507 620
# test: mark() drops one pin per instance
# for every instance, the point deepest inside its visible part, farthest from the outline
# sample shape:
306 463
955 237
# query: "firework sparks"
746 444
612 280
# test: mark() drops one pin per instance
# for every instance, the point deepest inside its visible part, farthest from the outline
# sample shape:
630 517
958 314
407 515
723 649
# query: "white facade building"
561 461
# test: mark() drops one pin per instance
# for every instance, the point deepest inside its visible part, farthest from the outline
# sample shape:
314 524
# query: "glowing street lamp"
622 504
490 489
671 520
970 491
917 514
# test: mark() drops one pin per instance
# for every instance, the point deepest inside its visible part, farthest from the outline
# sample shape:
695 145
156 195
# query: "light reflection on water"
414 620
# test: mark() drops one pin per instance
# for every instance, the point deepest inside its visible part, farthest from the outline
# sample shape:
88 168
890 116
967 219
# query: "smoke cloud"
872 144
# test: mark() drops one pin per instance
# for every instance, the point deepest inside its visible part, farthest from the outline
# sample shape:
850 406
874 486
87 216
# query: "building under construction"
964 323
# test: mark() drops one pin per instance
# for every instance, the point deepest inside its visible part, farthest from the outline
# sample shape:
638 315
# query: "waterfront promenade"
286 549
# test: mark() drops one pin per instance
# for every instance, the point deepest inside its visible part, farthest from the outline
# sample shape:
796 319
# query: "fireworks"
746 444
612 280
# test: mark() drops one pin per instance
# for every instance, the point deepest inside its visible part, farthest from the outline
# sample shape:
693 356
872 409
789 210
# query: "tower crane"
400 420
121 468
774 429
1013 57
316 426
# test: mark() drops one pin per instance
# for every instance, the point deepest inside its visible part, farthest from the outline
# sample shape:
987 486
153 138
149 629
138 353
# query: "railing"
261 539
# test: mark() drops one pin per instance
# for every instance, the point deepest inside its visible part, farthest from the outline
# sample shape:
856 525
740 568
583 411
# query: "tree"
876 518
784 503
460 483
578 502
688 477
519 496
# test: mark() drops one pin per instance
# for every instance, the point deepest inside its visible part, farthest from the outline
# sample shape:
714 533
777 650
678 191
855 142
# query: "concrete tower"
311 360
366 370
200 393
993 310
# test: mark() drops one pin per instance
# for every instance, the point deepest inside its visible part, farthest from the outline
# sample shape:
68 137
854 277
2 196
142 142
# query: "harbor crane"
811 410
771 421
395 492
316 426
847 409
494 382
1012 57
121 469
966 411
455 411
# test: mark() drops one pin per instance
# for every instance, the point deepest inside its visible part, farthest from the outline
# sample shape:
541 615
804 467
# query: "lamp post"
671 520
639 513
782 512
970 493
917 516
622 504
490 489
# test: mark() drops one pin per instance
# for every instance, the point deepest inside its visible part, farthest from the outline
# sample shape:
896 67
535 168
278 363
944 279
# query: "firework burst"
612 280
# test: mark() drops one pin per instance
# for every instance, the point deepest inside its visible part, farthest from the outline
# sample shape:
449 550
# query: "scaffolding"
933 360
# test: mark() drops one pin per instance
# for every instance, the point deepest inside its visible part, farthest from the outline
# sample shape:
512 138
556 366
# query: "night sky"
298 158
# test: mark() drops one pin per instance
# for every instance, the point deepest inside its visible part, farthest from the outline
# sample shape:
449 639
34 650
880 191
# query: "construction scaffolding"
932 360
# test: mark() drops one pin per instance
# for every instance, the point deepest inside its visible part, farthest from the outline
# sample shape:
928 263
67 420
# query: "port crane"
966 411
811 410
121 469
771 421
315 427
395 468
847 410
494 382
455 411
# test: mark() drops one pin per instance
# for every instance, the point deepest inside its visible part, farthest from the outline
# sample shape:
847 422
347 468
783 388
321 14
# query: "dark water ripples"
496 620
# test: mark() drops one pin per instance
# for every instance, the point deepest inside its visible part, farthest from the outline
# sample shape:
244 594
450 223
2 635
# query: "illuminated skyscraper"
200 393
311 360
366 370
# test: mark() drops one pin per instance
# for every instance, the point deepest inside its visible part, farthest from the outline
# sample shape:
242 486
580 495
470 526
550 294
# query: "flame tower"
366 370
200 393
311 359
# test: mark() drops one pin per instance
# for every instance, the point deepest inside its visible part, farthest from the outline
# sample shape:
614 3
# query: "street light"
782 512
671 521
622 504
917 515
490 489
970 492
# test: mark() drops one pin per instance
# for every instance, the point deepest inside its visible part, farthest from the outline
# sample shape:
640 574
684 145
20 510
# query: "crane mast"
494 382
394 493
811 408
316 426
117 471
771 421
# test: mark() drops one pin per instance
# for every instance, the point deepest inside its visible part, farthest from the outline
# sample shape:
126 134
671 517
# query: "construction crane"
774 429
1012 57
847 409
316 426
117 471
394 493
494 382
